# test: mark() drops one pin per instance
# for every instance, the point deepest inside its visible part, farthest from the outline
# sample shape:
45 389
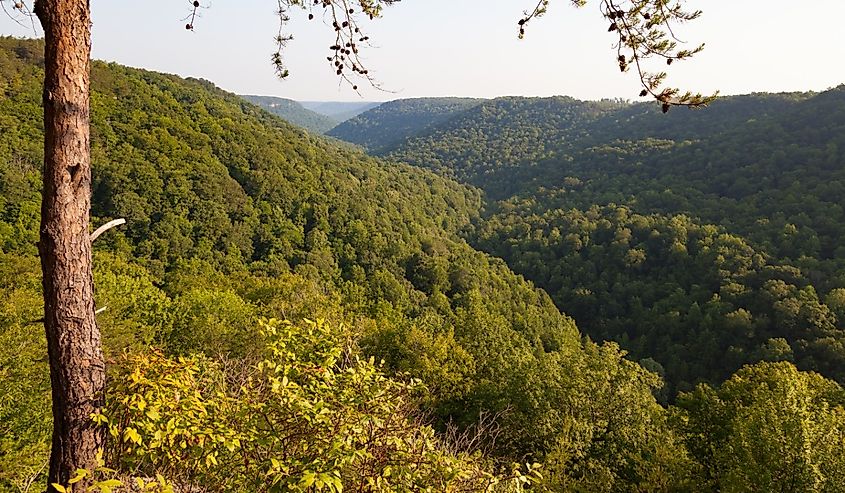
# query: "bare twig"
644 29
27 483
343 16
22 7
192 16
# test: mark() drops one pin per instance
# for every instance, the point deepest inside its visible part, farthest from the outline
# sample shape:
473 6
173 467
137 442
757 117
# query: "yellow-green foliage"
307 416
614 437
769 427
104 479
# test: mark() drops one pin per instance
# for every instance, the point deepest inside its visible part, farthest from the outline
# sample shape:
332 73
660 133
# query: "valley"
511 294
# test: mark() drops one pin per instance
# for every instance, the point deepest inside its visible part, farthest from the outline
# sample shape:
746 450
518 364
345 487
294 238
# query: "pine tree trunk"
77 371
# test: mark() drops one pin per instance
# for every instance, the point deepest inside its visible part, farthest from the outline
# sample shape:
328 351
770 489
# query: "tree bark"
77 369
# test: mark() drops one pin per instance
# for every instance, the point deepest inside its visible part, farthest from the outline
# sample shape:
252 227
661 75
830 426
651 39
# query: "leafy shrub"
308 416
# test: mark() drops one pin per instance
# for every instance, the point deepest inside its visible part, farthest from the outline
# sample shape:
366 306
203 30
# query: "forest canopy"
700 241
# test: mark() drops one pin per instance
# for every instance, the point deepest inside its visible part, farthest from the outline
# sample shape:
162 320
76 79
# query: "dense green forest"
293 112
532 138
698 240
500 133
287 314
395 121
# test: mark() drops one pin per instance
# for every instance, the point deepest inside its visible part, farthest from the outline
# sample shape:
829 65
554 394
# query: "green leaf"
308 479
131 434
80 475
107 485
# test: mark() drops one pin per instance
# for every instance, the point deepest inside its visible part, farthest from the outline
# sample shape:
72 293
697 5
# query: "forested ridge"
499 133
395 121
293 112
286 314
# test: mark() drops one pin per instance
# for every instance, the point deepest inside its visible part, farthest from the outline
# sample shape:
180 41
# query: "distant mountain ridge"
395 121
294 112
502 132
340 111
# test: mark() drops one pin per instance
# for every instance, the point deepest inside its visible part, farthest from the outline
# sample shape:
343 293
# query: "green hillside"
755 177
503 132
700 240
395 121
489 143
691 298
295 113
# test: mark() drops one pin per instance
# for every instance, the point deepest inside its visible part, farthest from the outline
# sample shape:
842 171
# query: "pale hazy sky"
469 48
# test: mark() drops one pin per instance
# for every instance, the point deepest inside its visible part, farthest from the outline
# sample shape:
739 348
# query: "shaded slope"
393 122
504 132
782 164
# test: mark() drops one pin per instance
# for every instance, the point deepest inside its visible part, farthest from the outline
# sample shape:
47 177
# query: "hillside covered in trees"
294 112
698 240
393 122
286 314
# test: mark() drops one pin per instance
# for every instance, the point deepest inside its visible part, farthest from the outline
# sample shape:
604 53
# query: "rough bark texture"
77 371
